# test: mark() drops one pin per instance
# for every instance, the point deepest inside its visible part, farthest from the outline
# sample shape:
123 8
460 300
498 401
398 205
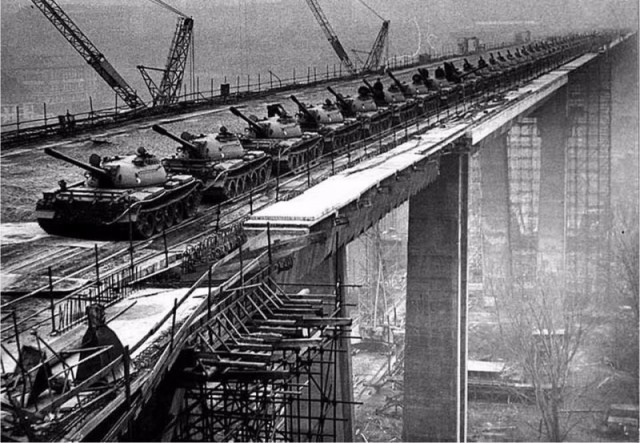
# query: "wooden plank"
324 321
225 354
297 343
225 363
273 322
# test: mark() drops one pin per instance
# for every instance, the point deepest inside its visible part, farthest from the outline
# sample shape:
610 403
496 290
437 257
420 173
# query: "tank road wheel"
293 161
254 181
176 212
230 189
191 205
169 216
146 224
161 217
262 176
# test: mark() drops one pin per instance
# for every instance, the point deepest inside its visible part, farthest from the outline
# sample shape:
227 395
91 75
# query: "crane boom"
173 72
176 60
331 35
88 51
373 60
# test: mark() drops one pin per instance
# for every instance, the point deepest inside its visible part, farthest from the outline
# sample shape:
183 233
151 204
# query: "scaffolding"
524 151
588 179
265 367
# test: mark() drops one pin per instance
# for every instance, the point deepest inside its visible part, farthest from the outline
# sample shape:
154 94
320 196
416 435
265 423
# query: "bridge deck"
330 196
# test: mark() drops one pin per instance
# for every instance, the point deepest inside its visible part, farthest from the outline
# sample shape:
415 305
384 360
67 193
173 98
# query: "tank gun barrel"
469 72
260 132
398 83
162 131
338 96
302 107
99 172
366 82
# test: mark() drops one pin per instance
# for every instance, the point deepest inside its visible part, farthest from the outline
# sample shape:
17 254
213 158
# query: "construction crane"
173 72
374 56
331 36
88 51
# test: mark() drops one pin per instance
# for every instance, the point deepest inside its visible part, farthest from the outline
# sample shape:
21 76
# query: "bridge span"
259 346
431 172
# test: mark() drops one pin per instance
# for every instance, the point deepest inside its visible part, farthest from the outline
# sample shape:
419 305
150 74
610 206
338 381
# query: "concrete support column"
436 323
552 126
495 213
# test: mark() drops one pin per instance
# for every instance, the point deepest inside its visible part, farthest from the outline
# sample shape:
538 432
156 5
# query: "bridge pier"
436 323
495 213
552 126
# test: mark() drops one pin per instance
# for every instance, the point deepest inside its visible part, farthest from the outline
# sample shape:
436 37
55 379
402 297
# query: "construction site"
346 268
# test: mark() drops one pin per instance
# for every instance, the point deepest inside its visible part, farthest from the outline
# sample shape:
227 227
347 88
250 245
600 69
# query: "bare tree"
541 329
626 280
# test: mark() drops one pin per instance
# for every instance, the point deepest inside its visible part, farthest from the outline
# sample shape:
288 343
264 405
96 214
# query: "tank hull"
288 154
78 210
374 123
225 180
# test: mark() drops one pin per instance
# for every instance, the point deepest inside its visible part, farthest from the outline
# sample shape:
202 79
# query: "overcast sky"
555 13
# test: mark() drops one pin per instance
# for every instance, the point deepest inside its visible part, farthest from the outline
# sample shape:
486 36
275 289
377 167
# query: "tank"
326 119
409 90
363 107
403 110
280 136
467 81
220 161
428 100
120 196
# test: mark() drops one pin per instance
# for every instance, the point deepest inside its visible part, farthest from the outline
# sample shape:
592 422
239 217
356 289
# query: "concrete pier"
435 397
553 143
495 213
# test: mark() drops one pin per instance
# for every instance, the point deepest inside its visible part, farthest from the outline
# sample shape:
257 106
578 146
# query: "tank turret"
351 106
363 107
257 129
327 120
452 74
406 89
429 82
316 115
382 97
343 103
276 126
403 110
217 146
133 171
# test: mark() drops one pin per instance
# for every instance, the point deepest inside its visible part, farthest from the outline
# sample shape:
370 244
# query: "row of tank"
140 195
